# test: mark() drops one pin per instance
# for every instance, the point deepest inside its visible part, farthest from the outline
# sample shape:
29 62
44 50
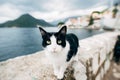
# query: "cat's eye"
48 42
59 41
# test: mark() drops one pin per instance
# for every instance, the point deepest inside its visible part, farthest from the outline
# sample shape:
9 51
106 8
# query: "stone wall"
94 57
96 53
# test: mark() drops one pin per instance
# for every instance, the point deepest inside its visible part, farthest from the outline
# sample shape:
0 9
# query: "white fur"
54 47
57 55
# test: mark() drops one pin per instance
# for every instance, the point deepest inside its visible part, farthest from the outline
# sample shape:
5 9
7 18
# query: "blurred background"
19 21
52 11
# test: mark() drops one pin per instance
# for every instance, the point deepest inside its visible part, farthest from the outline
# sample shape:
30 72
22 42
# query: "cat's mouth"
54 51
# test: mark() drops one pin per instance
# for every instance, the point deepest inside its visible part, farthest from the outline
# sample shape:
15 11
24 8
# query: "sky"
49 10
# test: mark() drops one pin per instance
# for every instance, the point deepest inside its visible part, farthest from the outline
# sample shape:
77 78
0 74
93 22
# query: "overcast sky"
48 10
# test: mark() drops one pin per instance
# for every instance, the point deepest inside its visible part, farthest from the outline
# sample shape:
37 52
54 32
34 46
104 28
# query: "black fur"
61 35
46 38
62 38
74 44
117 51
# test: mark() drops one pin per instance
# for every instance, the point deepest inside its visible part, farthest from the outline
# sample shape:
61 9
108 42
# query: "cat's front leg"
61 72
56 70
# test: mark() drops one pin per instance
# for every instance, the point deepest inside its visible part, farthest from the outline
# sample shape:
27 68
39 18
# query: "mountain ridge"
26 20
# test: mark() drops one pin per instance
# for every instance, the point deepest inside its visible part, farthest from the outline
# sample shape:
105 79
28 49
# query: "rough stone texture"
114 72
93 51
99 49
30 67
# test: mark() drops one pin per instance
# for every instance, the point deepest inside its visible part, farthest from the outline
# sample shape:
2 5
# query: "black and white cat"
60 48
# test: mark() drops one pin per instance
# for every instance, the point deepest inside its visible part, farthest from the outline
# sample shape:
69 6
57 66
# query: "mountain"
25 20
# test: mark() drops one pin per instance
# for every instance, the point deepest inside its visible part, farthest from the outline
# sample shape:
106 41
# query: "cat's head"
54 41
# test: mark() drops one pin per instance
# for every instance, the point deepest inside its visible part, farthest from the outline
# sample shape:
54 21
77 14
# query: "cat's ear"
43 32
63 30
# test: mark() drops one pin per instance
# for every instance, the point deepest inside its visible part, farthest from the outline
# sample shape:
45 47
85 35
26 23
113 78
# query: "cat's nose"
54 48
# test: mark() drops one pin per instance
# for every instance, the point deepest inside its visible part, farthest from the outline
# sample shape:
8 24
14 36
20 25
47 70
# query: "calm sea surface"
22 41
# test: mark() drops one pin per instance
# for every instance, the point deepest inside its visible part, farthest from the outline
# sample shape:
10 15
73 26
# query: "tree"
60 23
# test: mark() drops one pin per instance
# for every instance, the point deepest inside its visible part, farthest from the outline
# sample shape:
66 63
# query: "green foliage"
60 23
114 11
96 12
91 21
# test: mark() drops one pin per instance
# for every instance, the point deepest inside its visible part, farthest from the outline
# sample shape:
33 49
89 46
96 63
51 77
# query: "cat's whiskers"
60 49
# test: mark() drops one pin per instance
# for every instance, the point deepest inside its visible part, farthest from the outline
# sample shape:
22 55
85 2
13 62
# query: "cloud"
46 9
8 12
58 9
57 5
51 16
55 15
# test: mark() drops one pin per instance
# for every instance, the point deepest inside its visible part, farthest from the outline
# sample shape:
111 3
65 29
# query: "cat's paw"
60 76
56 73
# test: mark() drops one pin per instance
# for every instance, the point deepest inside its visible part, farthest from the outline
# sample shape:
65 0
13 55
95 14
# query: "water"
22 41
